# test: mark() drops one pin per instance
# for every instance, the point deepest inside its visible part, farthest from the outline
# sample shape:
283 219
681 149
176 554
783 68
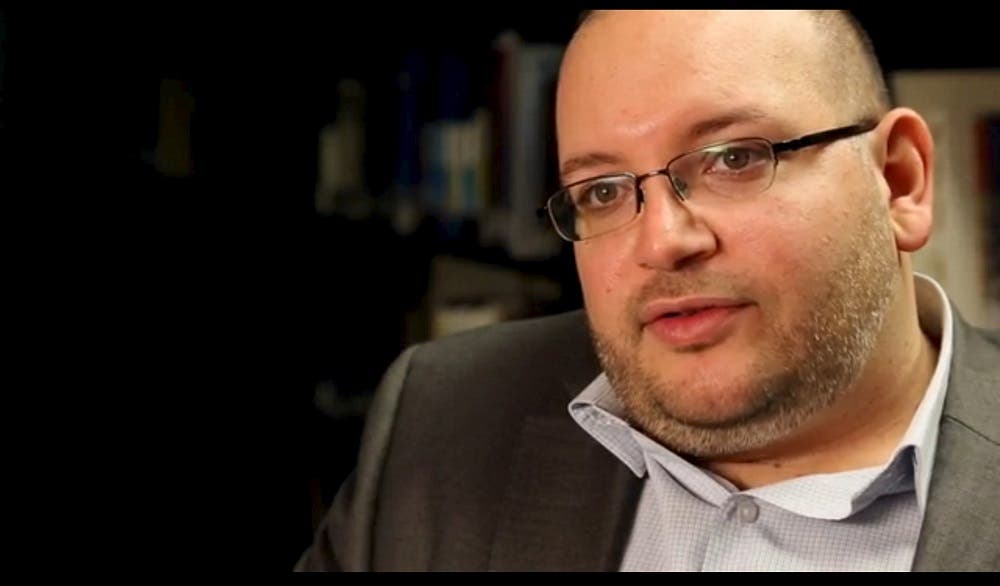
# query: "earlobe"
905 156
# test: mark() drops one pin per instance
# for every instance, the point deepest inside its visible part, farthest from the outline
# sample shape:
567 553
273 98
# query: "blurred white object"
341 184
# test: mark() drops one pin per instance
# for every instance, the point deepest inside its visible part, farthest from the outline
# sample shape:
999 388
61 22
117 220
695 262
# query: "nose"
671 235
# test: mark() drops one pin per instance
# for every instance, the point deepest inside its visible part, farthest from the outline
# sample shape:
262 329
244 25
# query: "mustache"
702 285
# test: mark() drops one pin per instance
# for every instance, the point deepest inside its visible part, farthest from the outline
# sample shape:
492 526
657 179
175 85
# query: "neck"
864 426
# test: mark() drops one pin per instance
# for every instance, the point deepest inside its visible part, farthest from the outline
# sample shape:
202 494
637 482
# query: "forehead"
639 72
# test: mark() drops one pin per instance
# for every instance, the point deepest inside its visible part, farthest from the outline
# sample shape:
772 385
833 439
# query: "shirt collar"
937 321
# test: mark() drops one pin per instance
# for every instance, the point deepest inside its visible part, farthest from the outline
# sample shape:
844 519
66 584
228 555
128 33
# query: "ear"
904 153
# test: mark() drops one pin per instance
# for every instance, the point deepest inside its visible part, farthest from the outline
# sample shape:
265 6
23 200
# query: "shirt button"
747 511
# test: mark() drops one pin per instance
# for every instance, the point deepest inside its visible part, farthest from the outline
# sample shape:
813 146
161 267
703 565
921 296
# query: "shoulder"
510 341
974 382
506 358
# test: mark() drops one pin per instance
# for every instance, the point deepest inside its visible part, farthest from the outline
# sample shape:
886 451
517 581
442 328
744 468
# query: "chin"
720 405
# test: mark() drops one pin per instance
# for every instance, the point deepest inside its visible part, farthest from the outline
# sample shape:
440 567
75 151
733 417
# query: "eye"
737 158
601 194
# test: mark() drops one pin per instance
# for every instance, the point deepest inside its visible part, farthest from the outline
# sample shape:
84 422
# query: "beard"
796 369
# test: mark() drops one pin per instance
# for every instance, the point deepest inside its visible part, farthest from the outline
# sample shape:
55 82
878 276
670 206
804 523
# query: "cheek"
773 249
786 249
603 272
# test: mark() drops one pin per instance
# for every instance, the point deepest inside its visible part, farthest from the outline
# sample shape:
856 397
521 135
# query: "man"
769 386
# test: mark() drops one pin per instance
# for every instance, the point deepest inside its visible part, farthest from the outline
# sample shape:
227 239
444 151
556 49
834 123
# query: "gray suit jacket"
470 461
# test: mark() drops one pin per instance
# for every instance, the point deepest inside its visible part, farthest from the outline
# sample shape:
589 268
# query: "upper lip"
654 310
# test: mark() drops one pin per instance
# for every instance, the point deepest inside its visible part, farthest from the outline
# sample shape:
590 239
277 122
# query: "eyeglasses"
712 174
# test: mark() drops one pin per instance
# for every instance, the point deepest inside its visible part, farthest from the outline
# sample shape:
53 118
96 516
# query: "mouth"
670 314
684 308
694 322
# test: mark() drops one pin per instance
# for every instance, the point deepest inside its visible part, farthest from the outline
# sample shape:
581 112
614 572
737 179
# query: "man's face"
788 288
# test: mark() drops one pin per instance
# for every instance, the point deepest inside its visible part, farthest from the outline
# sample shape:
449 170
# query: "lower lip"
700 328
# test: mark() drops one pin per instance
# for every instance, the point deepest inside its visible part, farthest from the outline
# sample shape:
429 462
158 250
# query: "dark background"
257 298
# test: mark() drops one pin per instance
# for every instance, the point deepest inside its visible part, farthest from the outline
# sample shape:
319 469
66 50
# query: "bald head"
847 70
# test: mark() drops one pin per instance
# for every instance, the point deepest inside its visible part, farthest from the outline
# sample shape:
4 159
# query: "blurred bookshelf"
469 153
431 161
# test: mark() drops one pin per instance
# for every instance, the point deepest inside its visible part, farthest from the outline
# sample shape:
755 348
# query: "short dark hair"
852 62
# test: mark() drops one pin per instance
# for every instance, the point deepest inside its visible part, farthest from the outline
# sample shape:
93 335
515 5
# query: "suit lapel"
961 529
569 504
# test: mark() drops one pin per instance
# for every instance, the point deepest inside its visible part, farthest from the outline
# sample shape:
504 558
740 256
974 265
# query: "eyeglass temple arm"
825 136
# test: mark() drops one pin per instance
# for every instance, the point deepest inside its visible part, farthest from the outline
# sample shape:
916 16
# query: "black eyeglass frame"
808 140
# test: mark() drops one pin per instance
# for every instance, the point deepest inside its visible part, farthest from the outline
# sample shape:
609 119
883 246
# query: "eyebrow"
588 160
721 122
698 130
